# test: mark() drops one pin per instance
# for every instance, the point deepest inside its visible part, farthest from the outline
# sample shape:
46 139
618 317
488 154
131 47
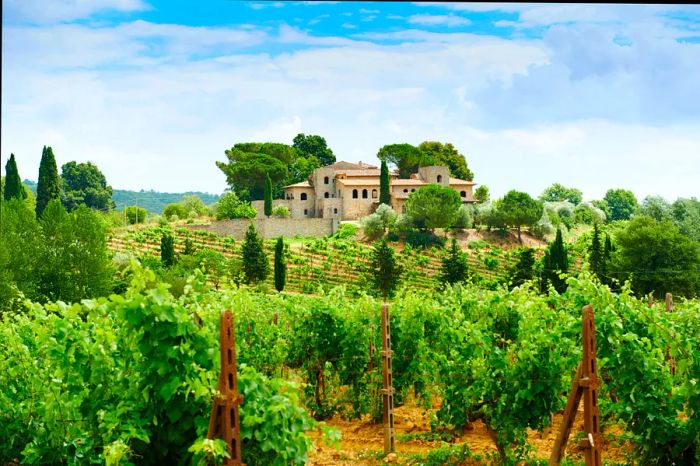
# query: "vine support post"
224 422
671 361
585 385
387 383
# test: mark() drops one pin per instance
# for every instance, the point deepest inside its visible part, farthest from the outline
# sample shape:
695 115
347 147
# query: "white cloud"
42 11
439 20
263 5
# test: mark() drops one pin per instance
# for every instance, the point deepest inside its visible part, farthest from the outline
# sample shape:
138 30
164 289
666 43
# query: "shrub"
135 214
231 207
281 211
173 209
543 227
588 214
424 239
465 217
346 230
373 226
387 214
194 206
403 225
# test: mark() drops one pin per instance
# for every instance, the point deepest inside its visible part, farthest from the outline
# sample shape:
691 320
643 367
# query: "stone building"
350 191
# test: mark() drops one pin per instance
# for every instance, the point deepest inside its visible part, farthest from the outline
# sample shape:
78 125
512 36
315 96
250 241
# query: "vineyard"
328 261
129 379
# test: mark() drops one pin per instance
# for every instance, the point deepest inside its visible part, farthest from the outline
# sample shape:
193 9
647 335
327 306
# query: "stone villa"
350 191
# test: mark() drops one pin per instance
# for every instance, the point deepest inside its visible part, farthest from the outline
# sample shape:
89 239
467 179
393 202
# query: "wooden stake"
387 383
224 421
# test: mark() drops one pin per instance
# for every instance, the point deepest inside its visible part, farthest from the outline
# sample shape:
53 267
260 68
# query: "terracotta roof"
350 166
458 181
358 181
302 184
353 173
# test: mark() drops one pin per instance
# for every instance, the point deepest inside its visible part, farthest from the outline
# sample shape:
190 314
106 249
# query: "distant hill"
152 201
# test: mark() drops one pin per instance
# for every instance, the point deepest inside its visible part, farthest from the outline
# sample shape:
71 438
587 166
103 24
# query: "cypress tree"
454 268
605 261
267 194
556 261
384 187
383 272
255 265
167 250
595 258
49 184
13 184
524 269
280 265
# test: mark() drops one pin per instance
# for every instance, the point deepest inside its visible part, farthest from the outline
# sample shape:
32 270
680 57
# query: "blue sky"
153 92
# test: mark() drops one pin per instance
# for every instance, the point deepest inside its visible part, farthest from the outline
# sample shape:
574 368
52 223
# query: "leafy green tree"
455 268
246 171
433 206
135 214
301 169
280 265
14 188
558 192
556 261
464 218
230 206
657 258
255 264
49 184
519 209
315 146
595 254
605 262
194 206
524 269
175 209
544 226
447 154
655 207
383 272
686 215
586 213
405 157
621 204
167 250
84 183
481 194
384 185
268 196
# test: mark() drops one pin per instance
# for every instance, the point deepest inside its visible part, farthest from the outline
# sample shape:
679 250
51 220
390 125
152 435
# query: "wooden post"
585 385
387 383
224 421
671 361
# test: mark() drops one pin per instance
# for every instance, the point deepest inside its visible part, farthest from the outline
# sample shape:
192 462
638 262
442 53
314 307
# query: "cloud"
263 5
439 20
42 12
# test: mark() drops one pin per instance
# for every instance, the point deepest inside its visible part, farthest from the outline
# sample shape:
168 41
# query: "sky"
153 92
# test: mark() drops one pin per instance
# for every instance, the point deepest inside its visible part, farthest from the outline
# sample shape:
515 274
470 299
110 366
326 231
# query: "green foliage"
167 250
621 204
657 258
464 218
524 269
561 212
433 206
135 214
384 185
49 184
314 146
686 215
383 270
194 206
424 239
588 214
372 226
255 264
267 195
555 262
280 265
543 227
154 202
481 194
558 193
231 207
405 157
14 188
447 154
246 170
302 168
177 210
455 268
655 207
346 230
519 209
84 183
281 211
595 254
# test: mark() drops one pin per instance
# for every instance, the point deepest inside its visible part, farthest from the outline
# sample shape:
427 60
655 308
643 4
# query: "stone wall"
272 227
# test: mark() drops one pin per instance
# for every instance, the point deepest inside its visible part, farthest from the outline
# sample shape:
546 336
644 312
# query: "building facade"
350 191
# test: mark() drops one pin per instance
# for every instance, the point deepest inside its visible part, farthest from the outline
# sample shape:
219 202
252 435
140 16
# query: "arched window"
374 194
364 194
463 193
303 196
335 210
413 190
326 195
306 211
354 193
325 180
405 190
439 178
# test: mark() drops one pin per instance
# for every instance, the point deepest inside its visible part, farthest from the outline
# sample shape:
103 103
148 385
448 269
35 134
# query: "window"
364 194
405 190
326 195
303 196
335 211
439 178
354 193
463 193
306 211
413 190
325 180
374 194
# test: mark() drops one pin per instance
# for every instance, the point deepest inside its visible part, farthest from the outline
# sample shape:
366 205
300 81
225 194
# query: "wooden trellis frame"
224 422
387 383
585 385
